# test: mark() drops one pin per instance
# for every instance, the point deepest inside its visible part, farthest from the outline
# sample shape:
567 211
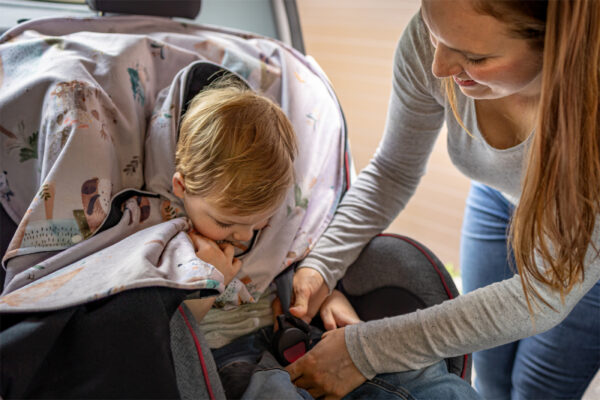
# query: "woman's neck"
508 121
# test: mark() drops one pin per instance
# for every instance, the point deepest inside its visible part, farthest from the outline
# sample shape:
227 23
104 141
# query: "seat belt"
293 338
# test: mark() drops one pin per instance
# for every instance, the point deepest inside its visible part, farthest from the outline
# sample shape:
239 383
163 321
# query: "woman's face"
479 52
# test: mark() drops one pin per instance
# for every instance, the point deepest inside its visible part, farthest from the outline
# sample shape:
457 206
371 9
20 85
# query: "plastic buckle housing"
292 340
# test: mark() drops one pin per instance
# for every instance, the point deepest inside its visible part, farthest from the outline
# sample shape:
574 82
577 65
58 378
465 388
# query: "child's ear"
178 185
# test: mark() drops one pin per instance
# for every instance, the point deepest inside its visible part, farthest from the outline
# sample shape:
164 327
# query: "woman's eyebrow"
463 52
470 54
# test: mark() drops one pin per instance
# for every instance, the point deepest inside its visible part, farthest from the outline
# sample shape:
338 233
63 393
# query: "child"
234 167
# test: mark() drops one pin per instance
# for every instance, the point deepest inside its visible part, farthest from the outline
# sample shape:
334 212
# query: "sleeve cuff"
330 277
355 348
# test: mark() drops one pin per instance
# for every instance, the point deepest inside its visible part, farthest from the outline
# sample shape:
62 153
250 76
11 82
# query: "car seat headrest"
164 8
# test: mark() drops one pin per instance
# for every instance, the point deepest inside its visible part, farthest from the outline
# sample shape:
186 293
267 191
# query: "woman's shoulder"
414 57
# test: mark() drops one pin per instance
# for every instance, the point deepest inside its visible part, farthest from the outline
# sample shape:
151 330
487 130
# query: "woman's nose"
243 234
445 62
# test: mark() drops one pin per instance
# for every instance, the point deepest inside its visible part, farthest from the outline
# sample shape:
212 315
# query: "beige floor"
354 42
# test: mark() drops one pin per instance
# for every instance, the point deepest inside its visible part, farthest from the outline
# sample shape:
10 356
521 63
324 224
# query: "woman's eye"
475 60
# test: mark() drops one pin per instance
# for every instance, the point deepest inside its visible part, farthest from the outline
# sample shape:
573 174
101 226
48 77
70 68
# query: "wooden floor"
354 42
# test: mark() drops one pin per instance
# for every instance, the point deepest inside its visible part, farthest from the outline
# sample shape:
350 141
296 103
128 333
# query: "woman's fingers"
300 306
309 290
328 319
327 368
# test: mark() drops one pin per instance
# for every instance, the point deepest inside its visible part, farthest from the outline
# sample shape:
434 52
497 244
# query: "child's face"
217 223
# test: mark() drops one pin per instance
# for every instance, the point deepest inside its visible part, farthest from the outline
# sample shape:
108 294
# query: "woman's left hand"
337 312
327 370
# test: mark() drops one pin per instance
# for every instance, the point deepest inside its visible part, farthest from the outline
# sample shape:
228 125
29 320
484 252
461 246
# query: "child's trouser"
247 360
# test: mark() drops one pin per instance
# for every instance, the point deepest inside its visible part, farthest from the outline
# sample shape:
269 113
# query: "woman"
517 84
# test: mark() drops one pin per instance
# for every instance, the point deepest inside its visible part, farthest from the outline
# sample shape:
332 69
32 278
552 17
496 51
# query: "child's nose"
243 234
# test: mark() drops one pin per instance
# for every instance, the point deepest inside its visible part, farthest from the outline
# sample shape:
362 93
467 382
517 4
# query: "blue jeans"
267 379
557 364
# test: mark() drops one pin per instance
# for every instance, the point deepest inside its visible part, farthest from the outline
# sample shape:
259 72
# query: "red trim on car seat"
347 166
446 288
464 371
199 351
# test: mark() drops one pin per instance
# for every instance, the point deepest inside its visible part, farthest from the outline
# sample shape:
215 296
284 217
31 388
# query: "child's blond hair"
237 148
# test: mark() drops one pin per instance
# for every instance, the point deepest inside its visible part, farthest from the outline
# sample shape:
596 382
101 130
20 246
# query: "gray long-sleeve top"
485 318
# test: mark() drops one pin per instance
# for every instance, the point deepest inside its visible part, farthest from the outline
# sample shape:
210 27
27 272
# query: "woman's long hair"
552 227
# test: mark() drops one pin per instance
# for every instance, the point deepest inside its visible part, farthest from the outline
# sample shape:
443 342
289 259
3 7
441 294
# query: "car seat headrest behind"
201 75
163 8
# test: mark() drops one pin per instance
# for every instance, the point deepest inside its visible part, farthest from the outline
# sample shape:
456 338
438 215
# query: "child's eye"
223 225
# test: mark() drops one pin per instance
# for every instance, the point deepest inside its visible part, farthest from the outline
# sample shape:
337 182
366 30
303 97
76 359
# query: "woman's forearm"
486 318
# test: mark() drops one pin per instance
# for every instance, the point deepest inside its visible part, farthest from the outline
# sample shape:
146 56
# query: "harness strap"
292 339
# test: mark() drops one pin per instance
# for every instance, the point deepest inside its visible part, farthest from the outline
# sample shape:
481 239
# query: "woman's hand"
310 290
219 256
327 370
337 312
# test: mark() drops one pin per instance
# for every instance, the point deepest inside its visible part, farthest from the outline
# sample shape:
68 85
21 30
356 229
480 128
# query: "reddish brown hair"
552 227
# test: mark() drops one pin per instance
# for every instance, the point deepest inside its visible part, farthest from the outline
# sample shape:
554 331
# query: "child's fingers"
236 264
198 239
228 250
193 235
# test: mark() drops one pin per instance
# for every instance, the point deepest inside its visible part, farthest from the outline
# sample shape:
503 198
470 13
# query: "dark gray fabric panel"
117 347
400 262
394 275
188 369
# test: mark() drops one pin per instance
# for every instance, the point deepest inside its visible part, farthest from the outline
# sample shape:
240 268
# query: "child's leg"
237 361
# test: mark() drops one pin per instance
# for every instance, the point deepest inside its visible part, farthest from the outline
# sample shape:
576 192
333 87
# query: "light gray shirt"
485 318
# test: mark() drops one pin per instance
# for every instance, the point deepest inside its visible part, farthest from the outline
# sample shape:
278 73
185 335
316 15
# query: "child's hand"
219 256
337 312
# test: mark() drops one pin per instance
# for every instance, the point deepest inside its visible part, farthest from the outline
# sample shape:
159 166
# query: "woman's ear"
178 185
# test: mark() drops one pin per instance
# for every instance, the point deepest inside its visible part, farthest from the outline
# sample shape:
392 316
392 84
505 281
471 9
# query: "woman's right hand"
327 370
310 290
219 256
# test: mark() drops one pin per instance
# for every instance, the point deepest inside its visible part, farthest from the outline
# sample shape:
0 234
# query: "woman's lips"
461 82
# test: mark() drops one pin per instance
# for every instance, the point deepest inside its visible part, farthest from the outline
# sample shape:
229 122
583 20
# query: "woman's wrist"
352 336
